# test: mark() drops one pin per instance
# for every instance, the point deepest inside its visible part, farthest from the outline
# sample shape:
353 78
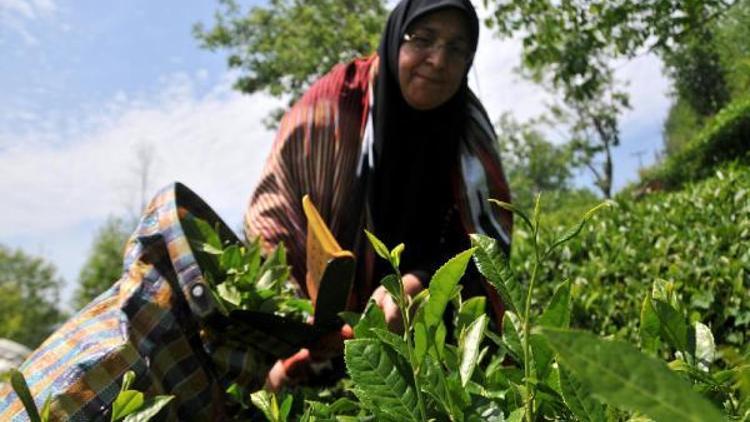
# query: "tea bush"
695 241
726 137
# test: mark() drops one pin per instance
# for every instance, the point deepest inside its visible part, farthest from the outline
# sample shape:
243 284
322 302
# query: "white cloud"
216 144
15 15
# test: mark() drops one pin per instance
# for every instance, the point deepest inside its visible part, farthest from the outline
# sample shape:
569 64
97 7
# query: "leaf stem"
409 346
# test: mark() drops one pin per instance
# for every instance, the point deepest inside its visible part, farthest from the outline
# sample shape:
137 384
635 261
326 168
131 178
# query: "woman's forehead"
448 23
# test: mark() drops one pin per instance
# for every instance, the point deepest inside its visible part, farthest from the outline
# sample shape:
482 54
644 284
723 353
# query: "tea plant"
541 368
240 277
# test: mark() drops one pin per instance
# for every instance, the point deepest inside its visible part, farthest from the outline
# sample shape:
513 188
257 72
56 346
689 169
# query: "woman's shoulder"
345 79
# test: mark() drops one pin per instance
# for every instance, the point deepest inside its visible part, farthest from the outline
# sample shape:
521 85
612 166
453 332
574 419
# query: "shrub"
726 137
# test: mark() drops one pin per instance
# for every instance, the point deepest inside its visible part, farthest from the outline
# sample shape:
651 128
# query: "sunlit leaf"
383 380
624 377
442 286
469 348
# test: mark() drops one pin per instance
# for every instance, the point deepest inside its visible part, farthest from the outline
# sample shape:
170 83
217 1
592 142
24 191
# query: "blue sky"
86 87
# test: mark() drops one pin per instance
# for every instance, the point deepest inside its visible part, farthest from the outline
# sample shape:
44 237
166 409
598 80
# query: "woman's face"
432 62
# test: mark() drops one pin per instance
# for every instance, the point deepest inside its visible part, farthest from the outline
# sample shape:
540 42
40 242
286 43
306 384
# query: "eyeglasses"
456 51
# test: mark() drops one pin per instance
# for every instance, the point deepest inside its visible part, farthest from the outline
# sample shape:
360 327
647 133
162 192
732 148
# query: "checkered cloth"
155 321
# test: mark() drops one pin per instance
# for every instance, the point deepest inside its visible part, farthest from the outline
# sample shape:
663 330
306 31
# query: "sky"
93 93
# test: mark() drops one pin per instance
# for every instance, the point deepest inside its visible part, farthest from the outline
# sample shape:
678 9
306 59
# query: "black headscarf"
416 152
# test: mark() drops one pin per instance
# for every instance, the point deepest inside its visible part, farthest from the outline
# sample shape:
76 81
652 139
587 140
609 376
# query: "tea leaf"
420 343
442 286
149 410
575 230
396 255
511 337
395 342
650 327
127 380
127 402
378 246
495 267
383 381
46 409
578 398
624 377
267 404
470 311
515 210
705 349
557 313
674 327
470 348
393 284
286 406
372 317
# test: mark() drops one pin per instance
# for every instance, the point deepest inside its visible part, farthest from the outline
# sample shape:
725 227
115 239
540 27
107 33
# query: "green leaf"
442 286
469 348
557 313
470 311
46 409
127 380
383 380
705 348
378 246
150 409
578 398
392 283
266 403
541 354
394 341
18 382
511 336
396 255
575 230
286 407
673 327
624 377
515 210
650 327
127 402
351 318
494 265
230 258
372 317
420 342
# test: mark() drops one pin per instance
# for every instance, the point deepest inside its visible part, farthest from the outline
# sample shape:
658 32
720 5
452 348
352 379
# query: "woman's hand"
412 286
298 368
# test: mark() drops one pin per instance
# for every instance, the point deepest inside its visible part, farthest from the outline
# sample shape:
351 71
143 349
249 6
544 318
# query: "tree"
29 295
104 264
284 47
571 46
532 163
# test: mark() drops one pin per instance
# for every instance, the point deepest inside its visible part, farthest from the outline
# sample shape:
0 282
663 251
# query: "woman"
396 143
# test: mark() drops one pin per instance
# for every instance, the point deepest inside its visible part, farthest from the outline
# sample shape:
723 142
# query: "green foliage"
532 163
103 267
732 33
680 127
29 296
622 376
240 277
724 138
692 241
283 47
